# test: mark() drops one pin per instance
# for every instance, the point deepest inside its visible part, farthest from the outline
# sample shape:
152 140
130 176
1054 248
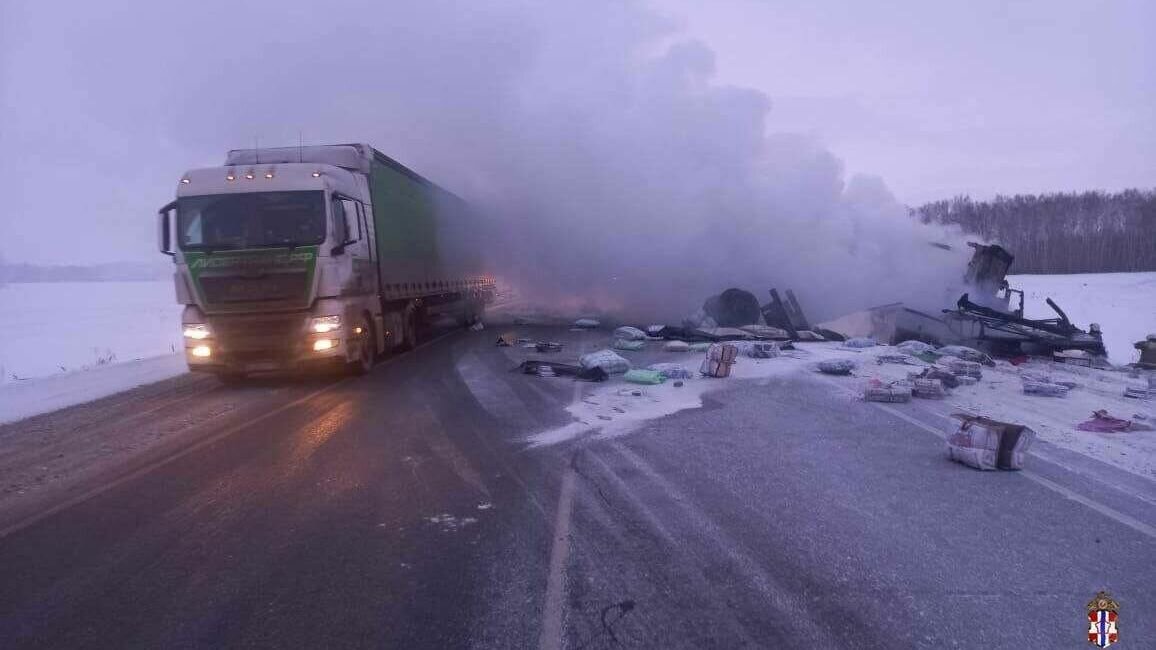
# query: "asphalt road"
405 510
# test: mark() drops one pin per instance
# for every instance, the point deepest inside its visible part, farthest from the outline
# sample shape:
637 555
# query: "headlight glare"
324 324
196 331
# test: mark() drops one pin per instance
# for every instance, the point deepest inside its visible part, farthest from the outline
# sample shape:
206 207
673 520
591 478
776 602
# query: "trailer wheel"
366 354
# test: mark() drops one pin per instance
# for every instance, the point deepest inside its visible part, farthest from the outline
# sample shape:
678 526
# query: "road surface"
407 510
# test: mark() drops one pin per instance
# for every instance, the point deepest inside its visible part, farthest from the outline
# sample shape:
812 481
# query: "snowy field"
1124 304
60 328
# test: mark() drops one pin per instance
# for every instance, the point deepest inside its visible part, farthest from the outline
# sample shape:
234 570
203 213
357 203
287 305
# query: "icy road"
445 502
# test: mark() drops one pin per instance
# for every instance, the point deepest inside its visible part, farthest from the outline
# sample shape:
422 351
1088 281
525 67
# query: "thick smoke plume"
614 172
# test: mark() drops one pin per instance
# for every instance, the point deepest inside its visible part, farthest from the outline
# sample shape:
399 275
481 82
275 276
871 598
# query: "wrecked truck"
990 315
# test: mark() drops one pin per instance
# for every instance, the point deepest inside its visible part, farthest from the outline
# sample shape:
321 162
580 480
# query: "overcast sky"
102 105
942 98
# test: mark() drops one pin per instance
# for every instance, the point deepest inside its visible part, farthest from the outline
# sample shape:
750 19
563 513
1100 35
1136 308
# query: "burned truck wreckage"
983 317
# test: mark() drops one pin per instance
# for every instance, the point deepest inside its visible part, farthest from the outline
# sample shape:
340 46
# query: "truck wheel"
366 354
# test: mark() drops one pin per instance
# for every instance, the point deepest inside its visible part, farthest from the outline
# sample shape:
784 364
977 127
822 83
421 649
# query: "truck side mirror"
343 210
164 228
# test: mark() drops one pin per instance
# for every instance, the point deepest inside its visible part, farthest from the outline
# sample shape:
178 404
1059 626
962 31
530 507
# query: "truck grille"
253 336
266 288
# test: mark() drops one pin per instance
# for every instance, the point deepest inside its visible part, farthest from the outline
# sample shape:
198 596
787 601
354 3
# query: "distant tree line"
115 271
1086 232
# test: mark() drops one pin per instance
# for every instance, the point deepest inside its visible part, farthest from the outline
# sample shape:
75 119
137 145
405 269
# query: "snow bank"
1124 304
59 328
23 399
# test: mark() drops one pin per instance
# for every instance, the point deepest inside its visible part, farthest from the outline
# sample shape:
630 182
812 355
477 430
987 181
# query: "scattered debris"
1147 349
927 357
1073 357
877 391
1101 422
766 332
477 327
967 380
786 315
928 388
534 367
762 350
960 367
671 370
644 377
505 341
622 344
901 359
965 353
915 347
989 444
610 362
1137 392
1043 386
836 366
719 359
676 346
587 323
944 376
808 335
733 308
700 347
678 384
548 346
860 342
627 333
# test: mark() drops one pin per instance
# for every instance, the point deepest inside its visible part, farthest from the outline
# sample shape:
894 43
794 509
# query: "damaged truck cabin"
989 315
298 257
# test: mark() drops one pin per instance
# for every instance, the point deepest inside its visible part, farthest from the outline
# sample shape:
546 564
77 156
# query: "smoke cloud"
613 172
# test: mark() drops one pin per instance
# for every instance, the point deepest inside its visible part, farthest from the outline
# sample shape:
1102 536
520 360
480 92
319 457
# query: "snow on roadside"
24 399
612 409
999 395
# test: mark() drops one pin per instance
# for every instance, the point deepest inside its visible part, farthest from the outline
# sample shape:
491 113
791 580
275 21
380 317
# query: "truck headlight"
196 331
202 351
321 345
324 324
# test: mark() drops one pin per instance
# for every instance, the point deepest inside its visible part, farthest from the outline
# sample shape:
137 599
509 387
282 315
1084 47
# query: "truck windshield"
252 220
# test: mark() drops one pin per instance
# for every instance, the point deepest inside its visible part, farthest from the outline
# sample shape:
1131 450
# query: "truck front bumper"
264 343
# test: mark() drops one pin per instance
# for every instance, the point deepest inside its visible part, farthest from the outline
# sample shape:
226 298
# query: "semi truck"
299 257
